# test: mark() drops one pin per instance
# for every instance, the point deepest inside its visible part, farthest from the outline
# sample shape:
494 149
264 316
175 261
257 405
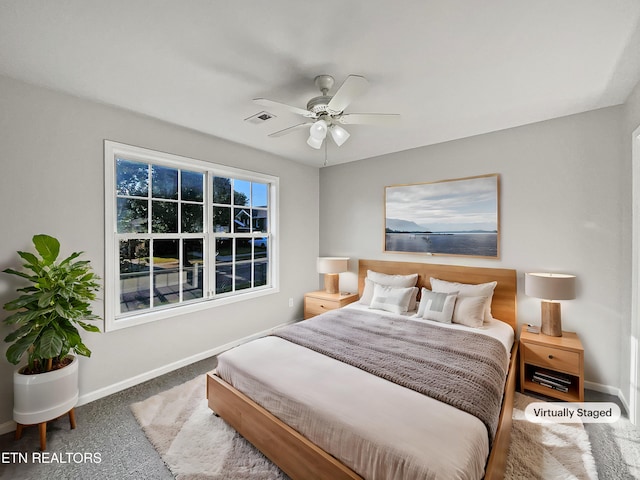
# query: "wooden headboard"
503 306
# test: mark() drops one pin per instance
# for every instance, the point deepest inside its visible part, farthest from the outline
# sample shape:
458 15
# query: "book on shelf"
555 386
554 377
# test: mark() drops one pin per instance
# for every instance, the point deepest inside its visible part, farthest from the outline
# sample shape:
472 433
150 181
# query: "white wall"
564 191
51 181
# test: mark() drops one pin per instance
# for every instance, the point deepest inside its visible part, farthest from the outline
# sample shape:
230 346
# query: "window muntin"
172 247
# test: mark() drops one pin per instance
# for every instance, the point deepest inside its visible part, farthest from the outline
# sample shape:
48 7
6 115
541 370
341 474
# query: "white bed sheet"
379 429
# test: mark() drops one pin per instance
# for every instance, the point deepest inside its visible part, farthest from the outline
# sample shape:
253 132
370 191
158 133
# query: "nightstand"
319 302
552 366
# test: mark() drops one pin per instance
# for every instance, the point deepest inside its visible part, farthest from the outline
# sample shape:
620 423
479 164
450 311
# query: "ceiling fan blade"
288 130
270 103
370 118
353 86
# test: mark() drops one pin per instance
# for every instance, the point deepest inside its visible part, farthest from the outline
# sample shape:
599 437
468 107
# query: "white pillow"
436 306
467 290
390 299
393 280
390 280
469 311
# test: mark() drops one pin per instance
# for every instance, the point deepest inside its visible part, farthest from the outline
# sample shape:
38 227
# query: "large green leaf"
70 257
48 247
50 343
33 262
15 351
19 333
88 327
45 299
81 349
27 316
70 333
21 302
21 274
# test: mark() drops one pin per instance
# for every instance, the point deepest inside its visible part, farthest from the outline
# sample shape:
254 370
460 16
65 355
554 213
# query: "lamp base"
331 282
551 322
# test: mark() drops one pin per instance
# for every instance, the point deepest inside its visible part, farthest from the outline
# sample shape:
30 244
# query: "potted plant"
47 314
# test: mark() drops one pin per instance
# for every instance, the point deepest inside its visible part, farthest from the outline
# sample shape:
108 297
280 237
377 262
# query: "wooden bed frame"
303 460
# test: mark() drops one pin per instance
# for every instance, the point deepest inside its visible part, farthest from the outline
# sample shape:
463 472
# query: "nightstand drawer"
316 306
552 358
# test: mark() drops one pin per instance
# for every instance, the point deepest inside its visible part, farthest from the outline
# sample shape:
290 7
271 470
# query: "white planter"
45 396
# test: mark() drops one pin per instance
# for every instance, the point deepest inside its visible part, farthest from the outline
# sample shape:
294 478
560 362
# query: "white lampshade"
339 134
550 286
314 142
332 264
318 130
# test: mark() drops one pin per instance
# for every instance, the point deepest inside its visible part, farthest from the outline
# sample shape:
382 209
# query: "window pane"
191 218
243 249
133 215
164 217
243 275
132 178
192 186
241 192
193 286
260 270
241 220
224 278
259 220
259 195
260 247
165 182
134 275
222 190
224 268
222 219
167 276
223 250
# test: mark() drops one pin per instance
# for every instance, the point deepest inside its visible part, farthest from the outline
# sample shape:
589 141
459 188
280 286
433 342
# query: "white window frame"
114 321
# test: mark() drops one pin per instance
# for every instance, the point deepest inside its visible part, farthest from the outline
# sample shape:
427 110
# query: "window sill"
133 319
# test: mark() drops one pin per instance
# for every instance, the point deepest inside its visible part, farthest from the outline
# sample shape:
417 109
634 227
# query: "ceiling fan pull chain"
325 154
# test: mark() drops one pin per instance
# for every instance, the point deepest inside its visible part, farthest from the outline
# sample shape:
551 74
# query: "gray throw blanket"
464 369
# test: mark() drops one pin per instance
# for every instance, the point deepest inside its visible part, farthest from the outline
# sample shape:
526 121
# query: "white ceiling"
451 68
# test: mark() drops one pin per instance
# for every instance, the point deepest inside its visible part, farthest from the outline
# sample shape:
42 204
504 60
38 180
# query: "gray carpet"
616 446
107 426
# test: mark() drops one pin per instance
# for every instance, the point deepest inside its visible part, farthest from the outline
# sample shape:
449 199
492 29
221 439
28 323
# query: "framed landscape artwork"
451 217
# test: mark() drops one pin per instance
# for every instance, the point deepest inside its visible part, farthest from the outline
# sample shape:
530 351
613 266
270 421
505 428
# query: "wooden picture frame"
451 217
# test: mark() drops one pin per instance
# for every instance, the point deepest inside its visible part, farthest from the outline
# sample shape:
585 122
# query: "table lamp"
550 287
331 267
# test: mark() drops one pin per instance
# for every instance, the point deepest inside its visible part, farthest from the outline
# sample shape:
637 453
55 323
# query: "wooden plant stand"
42 427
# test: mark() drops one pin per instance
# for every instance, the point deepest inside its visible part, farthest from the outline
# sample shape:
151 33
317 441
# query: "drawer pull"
550 357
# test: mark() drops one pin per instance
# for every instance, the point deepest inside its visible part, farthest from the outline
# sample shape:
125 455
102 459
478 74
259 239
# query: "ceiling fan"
325 113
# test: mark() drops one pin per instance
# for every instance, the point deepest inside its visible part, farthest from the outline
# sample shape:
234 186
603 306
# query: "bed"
301 408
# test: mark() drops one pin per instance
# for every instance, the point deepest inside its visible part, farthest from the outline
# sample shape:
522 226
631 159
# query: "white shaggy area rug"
197 445
550 451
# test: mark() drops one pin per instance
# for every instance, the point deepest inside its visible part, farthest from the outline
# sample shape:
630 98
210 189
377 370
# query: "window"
183 234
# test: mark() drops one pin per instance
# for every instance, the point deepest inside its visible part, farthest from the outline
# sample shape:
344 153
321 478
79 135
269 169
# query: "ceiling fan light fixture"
314 142
339 134
318 130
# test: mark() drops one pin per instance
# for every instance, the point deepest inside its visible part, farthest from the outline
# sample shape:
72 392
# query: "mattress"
377 428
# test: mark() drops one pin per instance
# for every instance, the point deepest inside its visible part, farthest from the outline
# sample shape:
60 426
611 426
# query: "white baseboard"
616 392
7 427
88 397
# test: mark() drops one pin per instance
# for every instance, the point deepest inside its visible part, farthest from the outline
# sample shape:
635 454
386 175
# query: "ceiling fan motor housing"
318 105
